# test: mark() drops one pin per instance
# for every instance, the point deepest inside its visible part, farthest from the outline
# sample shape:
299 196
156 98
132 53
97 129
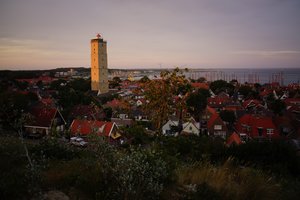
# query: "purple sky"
43 34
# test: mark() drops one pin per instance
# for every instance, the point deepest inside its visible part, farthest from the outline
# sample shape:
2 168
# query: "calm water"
283 76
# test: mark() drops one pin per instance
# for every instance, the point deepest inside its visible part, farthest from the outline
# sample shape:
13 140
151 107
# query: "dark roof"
84 111
43 116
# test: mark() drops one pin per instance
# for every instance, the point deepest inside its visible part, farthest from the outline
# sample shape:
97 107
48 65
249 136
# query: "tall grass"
228 181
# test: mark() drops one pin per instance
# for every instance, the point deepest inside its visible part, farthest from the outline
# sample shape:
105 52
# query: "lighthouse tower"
99 74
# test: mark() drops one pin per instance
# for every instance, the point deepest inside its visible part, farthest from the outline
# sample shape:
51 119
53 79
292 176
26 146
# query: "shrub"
275 156
17 179
141 175
51 148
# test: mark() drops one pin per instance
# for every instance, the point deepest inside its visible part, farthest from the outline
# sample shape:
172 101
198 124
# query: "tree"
160 94
228 116
245 90
221 86
138 135
108 113
144 79
277 106
197 102
80 85
116 82
184 89
13 104
58 84
201 80
257 86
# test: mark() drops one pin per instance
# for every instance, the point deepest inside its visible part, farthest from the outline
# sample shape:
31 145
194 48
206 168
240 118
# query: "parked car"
78 141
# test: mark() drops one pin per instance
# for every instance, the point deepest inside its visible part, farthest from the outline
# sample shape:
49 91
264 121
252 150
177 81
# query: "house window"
191 128
218 127
260 131
270 131
220 134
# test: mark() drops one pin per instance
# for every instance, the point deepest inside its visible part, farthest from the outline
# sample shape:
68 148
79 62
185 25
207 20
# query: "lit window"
218 127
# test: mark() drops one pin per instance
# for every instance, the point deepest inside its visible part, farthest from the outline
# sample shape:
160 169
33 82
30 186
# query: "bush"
138 135
17 179
141 175
275 156
192 148
53 149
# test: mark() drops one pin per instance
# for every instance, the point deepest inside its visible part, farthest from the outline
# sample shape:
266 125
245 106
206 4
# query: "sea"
284 76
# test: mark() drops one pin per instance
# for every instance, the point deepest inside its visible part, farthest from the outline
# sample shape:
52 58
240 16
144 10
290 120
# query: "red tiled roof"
234 138
290 101
43 116
265 93
215 101
211 110
86 127
255 122
293 108
212 119
233 107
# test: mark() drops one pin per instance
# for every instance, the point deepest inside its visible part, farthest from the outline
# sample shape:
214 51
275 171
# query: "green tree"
277 106
138 135
13 104
201 80
228 116
116 82
197 102
245 90
257 86
221 86
58 84
80 85
108 113
144 79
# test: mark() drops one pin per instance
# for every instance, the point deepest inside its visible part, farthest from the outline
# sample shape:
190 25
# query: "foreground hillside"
149 168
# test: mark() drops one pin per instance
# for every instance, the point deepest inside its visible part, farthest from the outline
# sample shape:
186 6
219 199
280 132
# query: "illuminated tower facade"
99 74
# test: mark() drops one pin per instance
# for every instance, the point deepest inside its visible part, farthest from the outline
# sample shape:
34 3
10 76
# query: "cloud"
266 53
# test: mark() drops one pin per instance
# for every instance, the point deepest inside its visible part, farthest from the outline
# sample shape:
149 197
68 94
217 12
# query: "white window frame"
270 131
217 127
